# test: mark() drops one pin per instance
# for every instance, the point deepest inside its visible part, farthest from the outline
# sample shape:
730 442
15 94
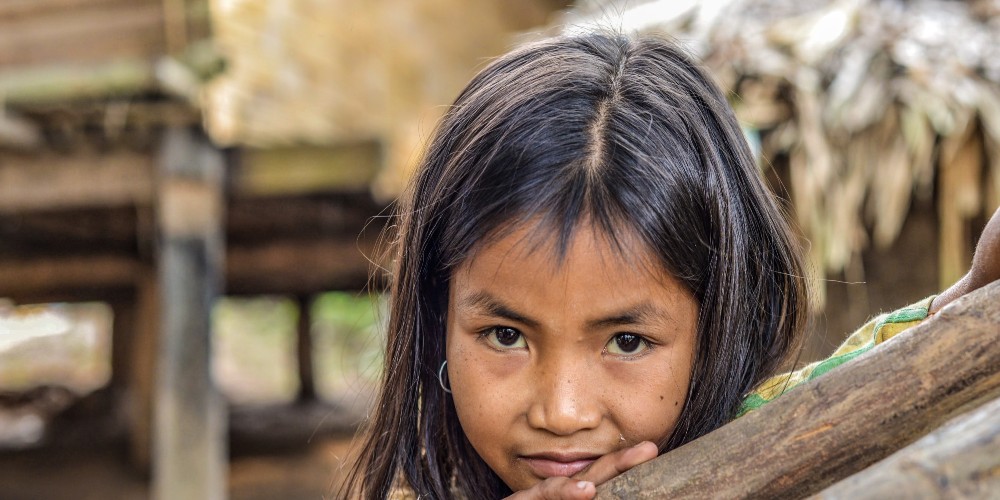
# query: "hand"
584 484
985 266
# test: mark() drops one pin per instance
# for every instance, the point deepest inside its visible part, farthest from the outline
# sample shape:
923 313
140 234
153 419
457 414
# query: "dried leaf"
919 138
892 184
814 35
992 200
960 199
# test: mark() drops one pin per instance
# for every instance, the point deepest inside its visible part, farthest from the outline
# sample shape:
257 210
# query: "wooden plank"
125 76
284 267
959 460
52 182
69 277
842 422
343 215
307 169
131 30
299 267
190 447
105 231
19 10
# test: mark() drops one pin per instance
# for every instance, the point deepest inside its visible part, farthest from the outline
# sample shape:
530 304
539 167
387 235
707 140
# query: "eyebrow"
495 307
489 304
634 315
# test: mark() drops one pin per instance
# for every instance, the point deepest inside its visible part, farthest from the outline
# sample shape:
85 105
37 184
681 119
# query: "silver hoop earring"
440 380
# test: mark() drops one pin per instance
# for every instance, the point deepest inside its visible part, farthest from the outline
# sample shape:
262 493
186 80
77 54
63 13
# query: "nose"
566 399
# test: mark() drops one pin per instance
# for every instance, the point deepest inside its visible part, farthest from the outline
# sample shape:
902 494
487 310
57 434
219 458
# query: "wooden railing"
855 416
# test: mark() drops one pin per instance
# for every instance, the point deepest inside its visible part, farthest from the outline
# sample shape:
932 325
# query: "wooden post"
190 425
842 422
142 374
304 352
122 337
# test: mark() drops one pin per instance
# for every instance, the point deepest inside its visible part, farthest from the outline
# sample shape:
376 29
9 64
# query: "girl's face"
554 364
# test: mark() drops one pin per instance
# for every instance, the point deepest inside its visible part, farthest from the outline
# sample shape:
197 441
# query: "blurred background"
193 193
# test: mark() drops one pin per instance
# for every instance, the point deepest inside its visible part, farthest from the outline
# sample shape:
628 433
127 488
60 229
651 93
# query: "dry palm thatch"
872 103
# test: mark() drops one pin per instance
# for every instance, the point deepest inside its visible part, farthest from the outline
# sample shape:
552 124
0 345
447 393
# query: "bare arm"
985 266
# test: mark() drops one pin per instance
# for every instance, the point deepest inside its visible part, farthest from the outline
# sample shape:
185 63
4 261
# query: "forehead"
526 263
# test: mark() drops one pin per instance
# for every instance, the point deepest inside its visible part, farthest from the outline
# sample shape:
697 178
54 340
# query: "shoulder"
878 330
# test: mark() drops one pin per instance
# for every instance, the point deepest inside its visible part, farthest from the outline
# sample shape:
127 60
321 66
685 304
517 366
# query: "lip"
547 465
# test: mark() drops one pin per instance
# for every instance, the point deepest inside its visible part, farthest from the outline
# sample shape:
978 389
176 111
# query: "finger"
558 488
613 464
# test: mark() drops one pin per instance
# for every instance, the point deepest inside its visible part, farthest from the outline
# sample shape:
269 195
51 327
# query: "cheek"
650 397
485 397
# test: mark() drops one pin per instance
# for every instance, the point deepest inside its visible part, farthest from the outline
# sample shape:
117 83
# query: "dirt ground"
103 473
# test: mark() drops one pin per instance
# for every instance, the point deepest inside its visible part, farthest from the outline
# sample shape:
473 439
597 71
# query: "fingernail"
582 485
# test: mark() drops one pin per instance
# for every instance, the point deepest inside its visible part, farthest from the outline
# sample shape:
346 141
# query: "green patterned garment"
876 331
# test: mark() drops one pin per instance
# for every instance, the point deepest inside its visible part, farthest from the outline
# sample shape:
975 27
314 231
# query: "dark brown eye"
505 337
624 344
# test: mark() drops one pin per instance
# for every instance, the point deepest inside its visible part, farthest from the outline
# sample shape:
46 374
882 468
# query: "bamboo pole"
842 422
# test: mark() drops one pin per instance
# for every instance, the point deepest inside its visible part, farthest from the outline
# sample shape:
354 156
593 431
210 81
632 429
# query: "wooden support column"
142 375
304 351
189 458
122 336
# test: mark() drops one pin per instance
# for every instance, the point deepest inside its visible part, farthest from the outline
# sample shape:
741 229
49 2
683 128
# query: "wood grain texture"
842 422
959 460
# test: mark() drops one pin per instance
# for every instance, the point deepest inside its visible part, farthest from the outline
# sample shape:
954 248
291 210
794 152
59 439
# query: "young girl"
590 271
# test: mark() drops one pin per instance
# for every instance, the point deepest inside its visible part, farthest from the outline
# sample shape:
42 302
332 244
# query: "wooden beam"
49 182
842 422
959 460
282 267
307 169
69 82
52 182
189 433
71 276
299 267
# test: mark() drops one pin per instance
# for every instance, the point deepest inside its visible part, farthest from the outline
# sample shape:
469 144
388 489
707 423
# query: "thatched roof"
872 103
301 71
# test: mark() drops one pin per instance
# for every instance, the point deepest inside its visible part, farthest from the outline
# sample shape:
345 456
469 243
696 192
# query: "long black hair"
628 134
